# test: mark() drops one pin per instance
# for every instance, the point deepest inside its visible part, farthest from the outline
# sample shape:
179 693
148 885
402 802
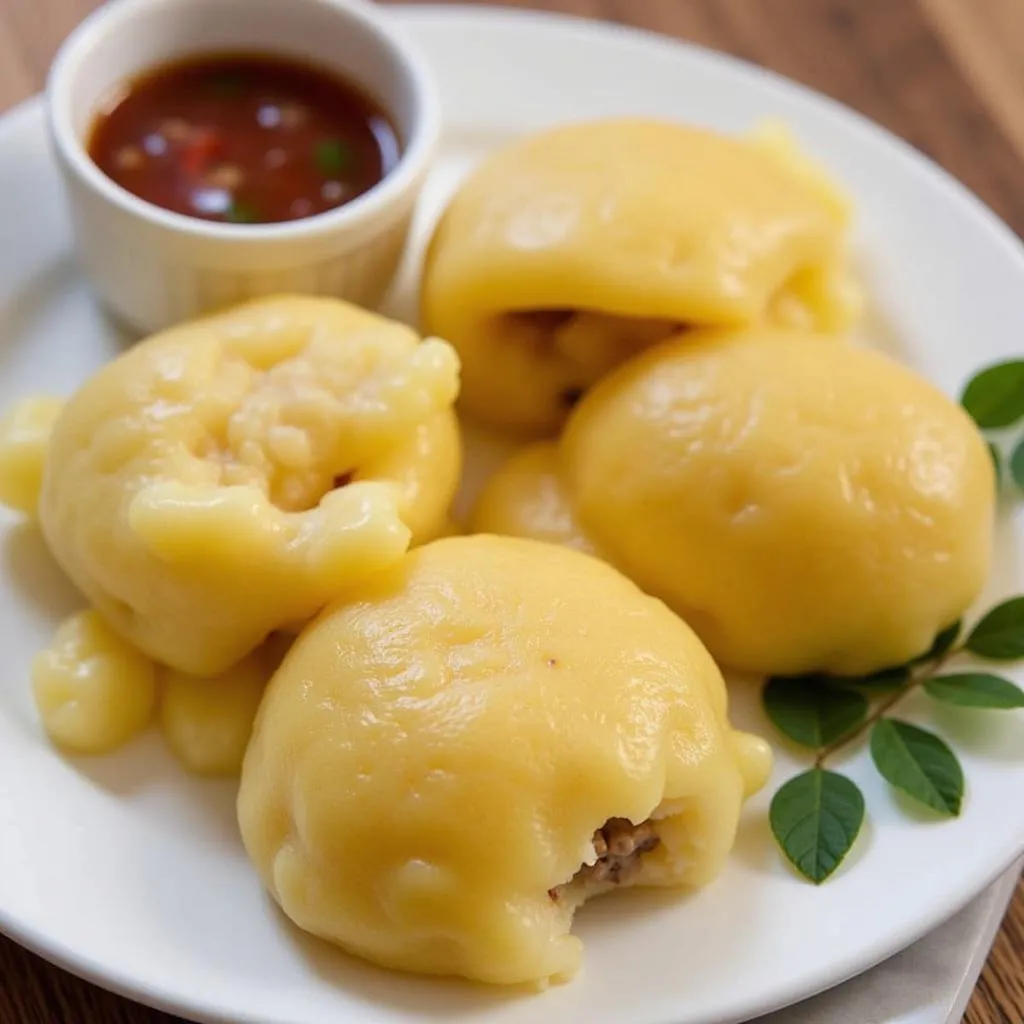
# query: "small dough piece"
526 498
569 251
93 690
207 722
435 759
228 477
804 506
24 437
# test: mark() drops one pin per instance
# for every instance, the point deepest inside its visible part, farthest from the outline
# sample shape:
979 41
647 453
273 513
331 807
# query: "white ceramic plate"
131 874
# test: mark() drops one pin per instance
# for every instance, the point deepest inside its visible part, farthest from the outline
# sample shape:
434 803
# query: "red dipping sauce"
244 139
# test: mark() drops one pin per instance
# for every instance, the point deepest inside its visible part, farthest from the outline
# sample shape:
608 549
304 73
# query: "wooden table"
948 75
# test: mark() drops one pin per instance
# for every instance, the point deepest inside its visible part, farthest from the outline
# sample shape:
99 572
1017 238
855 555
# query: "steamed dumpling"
477 740
526 498
805 505
228 477
571 250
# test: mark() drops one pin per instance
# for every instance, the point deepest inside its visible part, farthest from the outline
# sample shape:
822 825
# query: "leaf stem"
919 679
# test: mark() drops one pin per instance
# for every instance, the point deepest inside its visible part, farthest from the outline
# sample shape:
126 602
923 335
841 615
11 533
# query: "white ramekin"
153 268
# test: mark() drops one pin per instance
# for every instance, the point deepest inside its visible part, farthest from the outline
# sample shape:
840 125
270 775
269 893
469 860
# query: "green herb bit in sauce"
333 156
241 213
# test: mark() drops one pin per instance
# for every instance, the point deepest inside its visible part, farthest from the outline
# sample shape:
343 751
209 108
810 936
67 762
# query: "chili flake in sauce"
244 139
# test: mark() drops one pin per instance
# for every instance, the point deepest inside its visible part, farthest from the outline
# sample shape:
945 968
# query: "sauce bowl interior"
125 39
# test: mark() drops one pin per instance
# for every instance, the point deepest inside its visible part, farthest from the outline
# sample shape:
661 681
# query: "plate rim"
21 116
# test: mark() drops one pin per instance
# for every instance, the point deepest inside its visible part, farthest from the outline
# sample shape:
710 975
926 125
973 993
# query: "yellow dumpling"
24 438
526 498
207 722
445 766
571 250
228 477
803 505
94 692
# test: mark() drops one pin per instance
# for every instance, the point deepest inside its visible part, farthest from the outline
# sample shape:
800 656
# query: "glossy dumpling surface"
573 249
803 503
447 764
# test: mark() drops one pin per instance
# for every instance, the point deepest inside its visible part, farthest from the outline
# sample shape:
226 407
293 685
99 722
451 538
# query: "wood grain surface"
948 75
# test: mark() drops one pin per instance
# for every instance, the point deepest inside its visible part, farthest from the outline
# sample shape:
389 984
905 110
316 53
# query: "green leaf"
1000 634
333 157
882 681
918 763
941 644
995 397
241 213
1017 465
975 690
810 711
815 818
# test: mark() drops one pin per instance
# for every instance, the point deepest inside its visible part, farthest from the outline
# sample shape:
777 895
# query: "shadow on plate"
449 999
39 581
124 334
127 771
203 809
627 907
987 735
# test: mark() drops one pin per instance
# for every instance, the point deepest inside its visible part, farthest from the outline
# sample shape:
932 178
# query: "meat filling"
619 845
585 344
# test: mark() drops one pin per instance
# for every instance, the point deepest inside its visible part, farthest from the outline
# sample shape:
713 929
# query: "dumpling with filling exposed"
480 738
228 477
570 251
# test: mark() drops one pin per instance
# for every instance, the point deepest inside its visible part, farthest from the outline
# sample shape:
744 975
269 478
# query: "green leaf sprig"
817 815
994 398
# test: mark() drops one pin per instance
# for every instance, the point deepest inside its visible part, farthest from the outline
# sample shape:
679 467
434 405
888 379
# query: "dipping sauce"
244 139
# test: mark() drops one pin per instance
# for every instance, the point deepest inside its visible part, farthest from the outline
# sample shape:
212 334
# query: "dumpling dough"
805 505
447 764
230 476
24 437
569 251
93 691
207 722
526 498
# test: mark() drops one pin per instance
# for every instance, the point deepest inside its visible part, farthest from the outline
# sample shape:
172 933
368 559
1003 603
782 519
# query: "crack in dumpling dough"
191 487
568 252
